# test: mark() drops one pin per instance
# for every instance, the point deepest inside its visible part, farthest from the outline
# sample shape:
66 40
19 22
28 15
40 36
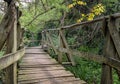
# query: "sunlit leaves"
77 2
96 10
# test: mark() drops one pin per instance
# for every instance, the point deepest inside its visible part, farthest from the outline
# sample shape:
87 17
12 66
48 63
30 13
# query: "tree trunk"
7 23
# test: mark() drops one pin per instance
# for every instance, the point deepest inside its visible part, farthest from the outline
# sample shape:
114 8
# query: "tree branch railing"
110 26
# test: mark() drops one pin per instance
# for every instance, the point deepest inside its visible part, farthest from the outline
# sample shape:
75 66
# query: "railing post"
47 41
50 42
60 46
11 71
15 49
42 41
106 77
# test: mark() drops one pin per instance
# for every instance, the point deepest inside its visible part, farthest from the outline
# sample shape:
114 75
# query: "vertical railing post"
106 77
11 71
42 41
59 47
15 49
50 42
47 41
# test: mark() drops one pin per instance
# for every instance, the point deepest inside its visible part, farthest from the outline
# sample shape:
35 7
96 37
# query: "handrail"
116 15
11 58
110 58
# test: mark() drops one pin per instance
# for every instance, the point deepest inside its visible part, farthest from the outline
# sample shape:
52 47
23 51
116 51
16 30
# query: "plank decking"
37 67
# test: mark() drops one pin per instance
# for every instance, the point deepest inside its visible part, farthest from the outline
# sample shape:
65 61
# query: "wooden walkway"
37 67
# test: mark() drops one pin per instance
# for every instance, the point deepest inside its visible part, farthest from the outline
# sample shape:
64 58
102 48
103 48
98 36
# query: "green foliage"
71 41
86 70
112 6
43 12
115 76
1 53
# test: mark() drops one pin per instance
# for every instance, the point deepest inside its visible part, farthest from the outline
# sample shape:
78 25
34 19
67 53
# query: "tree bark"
7 23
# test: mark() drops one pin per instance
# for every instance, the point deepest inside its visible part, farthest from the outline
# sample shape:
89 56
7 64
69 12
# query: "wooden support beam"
115 36
51 42
65 45
60 54
109 51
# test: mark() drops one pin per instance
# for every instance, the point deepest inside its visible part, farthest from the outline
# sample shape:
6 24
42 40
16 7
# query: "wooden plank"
35 52
34 49
40 66
48 63
42 71
39 60
45 75
37 55
65 79
62 82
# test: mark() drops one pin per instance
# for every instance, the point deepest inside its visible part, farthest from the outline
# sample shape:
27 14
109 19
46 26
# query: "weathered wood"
9 59
14 49
100 19
114 34
7 24
106 75
10 76
65 79
44 70
47 43
65 45
60 54
62 82
109 52
51 42
20 33
111 58
41 69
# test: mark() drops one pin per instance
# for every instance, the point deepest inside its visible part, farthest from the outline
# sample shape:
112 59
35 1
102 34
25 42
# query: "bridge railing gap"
110 26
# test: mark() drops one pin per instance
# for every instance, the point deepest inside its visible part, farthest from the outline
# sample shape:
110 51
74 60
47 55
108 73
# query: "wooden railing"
9 59
11 35
110 26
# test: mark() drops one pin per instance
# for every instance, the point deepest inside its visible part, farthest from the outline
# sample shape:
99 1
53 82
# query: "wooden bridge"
37 67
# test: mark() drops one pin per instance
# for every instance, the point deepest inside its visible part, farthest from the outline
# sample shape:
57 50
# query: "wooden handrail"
9 59
117 15
111 57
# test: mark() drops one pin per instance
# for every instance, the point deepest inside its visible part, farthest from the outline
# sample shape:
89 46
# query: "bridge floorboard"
37 67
